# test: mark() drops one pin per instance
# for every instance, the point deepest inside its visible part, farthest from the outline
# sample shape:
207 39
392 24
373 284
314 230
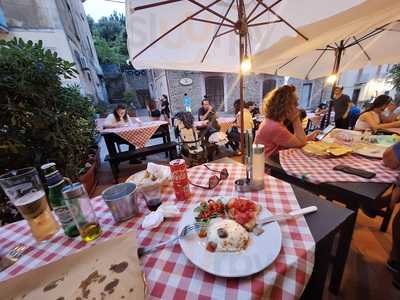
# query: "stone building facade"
223 88
63 28
365 84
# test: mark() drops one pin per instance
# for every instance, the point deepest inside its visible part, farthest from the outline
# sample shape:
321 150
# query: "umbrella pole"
242 30
241 91
336 65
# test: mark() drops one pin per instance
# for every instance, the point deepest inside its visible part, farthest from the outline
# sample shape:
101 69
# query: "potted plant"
42 120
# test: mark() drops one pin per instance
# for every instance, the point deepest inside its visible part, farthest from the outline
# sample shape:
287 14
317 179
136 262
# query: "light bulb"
331 79
245 66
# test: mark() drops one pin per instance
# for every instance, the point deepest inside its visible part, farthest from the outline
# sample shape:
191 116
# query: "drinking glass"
152 196
25 191
82 211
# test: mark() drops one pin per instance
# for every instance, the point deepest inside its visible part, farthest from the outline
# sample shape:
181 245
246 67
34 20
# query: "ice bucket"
121 199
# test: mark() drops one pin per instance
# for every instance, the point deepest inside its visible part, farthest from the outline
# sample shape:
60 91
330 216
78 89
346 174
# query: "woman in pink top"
280 105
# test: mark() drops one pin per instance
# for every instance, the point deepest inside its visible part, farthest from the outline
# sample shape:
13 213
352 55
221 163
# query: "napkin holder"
254 160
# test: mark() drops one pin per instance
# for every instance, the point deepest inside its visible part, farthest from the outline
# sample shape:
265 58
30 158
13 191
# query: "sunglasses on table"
213 180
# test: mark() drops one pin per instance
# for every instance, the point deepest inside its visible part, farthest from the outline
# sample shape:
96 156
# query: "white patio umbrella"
376 46
221 35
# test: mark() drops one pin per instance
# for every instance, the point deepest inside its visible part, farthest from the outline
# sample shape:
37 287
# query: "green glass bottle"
55 183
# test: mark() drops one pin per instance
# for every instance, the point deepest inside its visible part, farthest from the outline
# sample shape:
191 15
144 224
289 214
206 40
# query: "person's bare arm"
298 139
390 159
375 125
313 135
204 117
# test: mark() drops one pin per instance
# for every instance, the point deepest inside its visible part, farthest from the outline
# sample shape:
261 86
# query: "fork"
185 231
12 256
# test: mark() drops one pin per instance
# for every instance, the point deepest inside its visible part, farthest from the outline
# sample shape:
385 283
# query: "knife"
286 216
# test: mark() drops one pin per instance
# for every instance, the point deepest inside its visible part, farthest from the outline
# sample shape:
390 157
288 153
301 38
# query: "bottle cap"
73 190
49 169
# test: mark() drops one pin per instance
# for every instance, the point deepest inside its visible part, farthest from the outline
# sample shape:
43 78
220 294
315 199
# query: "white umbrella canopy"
373 37
197 26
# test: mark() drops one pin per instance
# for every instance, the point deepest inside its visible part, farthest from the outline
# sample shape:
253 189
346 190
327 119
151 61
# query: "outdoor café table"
224 122
348 189
137 135
169 273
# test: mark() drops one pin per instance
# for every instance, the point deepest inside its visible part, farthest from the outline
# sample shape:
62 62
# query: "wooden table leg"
316 284
343 247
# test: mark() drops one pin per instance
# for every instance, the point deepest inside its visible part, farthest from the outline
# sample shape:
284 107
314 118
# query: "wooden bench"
117 158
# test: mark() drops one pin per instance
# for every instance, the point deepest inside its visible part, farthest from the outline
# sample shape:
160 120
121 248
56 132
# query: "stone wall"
176 90
253 88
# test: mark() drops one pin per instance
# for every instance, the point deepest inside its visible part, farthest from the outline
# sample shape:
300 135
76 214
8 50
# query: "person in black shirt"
207 113
341 107
165 107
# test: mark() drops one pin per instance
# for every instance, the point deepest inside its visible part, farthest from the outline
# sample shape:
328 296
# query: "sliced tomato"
241 217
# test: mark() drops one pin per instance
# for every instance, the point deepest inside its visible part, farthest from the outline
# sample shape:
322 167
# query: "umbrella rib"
264 23
315 63
211 11
283 20
155 4
264 11
365 37
212 22
284 65
173 28
225 32
253 10
217 31
362 48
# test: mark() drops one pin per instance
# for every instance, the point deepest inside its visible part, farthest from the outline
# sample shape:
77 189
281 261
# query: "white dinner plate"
259 254
371 151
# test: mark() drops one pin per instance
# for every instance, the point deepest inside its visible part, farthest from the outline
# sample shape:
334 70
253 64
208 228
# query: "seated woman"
119 118
154 112
280 105
373 119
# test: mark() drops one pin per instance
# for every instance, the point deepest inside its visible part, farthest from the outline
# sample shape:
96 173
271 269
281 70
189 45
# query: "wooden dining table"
352 194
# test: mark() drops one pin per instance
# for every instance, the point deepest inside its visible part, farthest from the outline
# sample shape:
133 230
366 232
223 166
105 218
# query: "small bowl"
121 199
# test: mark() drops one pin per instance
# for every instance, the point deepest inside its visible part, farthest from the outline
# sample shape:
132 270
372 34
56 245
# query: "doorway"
215 91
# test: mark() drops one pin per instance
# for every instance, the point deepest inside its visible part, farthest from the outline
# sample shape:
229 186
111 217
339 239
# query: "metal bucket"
121 199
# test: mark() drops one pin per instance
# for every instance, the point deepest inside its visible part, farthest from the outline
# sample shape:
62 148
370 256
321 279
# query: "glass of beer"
25 191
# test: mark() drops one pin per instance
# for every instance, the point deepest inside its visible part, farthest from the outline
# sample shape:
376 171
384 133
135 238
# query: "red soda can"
180 180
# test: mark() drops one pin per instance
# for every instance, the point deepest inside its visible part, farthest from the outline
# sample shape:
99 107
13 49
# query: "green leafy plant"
41 120
110 38
394 75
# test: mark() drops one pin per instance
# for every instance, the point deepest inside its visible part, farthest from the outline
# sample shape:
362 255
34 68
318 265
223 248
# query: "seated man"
391 159
207 113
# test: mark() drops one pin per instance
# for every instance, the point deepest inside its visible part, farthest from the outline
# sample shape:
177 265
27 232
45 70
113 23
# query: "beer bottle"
55 183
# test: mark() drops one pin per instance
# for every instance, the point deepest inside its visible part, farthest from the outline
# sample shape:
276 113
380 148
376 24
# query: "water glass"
152 196
25 191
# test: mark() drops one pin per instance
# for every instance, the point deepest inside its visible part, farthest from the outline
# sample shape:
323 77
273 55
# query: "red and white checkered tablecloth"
139 134
224 122
170 275
318 170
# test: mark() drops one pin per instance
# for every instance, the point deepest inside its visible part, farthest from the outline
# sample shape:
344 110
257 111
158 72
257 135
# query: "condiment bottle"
82 211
